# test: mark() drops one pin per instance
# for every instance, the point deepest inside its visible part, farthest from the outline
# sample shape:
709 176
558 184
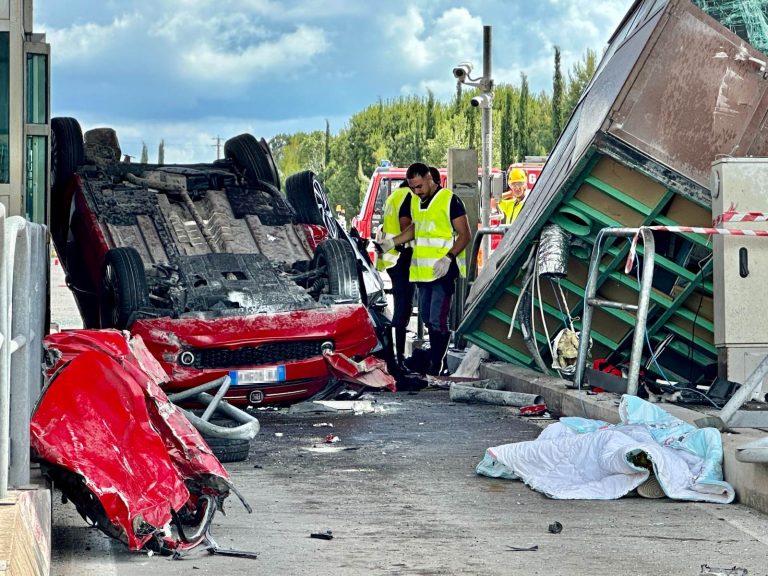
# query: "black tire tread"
339 257
250 157
227 450
299 189
133 292
69 148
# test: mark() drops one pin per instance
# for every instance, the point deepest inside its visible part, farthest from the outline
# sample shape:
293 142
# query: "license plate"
257 376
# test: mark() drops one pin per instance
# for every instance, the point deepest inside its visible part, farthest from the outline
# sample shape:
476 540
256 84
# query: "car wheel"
248 155
227 449
338 257
124 288
67 154
271 161
67 151
307 196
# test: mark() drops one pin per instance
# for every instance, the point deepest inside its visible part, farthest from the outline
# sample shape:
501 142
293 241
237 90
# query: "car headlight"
187 358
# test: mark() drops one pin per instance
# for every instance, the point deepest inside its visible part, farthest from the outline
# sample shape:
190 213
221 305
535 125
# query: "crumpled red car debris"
119 449
369 371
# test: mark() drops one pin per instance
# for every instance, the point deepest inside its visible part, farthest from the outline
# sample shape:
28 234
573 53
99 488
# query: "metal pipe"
185 394
481 232
211 408
744 392
611 304
227 409
472 395
245 431
590 292
638 339
486 129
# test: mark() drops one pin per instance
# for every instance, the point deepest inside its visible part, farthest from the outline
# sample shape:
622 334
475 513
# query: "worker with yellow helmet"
513 198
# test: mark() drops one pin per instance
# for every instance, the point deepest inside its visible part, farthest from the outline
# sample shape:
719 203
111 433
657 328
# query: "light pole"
485 102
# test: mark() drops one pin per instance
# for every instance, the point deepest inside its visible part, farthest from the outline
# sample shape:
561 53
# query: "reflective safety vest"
434 236
391 226
511 208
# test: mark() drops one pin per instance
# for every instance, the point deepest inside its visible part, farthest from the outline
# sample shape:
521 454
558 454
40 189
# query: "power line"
217 146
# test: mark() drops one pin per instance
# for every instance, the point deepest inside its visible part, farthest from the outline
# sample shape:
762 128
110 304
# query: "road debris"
327 535
555 528
481 395
518 549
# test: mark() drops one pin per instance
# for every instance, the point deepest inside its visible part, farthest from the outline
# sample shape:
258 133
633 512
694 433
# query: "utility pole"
462 73
486 129
217 146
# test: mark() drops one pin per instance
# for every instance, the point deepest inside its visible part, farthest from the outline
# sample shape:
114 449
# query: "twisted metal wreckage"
675 91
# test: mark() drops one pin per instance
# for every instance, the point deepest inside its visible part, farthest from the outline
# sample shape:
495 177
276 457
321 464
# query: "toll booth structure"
675 91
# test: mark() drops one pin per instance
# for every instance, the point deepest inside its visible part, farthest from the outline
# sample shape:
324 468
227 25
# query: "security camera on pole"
485 102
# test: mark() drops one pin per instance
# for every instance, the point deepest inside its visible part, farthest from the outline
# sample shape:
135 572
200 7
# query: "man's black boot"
438 346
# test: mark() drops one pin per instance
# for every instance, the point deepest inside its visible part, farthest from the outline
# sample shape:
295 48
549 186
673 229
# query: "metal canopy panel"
636 151
695 97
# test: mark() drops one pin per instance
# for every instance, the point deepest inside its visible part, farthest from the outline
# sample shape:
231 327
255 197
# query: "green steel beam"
617 194
676 305
499 348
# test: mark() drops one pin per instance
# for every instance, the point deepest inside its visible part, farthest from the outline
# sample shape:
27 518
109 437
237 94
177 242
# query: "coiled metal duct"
552 258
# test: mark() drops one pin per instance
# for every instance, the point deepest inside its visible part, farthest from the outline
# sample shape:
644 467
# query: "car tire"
338 257
226 449
271 161
308 198
67 155
124 288
249 156
67 150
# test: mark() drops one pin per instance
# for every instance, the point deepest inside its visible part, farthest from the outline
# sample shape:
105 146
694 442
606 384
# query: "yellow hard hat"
517 175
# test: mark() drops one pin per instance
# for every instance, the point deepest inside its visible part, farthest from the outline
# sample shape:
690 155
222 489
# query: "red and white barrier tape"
690 230
733 216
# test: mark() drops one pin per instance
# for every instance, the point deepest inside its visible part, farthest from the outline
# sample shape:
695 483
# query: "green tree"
557 97
327 157
507 133
578 79
429 125
161 153
521 123
144 153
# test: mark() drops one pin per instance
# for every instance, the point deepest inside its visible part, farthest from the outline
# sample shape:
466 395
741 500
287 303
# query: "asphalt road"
400 495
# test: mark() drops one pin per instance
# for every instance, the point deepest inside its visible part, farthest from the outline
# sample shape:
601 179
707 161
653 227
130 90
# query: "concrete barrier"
25 513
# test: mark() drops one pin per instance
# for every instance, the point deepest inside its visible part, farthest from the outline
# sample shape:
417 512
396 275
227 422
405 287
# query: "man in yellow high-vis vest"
397 262
440 232
513 199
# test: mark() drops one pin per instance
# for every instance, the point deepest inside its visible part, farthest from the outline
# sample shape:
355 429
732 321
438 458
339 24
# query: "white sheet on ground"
578 458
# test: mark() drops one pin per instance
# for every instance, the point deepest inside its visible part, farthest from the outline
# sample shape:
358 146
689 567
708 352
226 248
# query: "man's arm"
463 235
407 234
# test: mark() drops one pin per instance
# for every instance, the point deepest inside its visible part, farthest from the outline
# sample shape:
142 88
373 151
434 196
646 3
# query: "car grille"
272 353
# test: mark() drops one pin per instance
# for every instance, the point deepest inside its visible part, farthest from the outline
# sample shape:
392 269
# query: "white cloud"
188 70
83 41
212 61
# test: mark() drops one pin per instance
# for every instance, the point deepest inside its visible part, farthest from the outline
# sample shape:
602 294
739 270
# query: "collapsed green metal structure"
674 91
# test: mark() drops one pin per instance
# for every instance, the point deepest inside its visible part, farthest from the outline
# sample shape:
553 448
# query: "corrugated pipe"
552 257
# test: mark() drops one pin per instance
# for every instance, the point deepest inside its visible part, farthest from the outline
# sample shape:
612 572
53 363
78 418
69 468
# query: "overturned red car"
217 269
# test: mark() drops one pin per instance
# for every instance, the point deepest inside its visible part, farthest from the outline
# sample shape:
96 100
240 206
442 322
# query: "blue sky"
188 71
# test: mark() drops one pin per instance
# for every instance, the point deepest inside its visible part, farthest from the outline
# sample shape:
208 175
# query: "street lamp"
484 101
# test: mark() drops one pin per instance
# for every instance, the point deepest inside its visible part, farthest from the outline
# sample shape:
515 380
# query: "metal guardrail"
23 278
